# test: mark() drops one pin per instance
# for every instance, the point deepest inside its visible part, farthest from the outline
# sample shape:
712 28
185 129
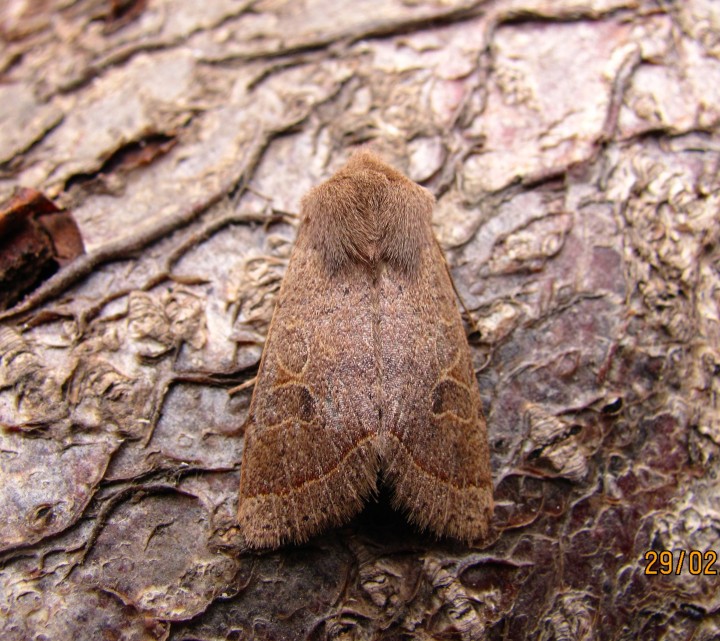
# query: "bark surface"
574 149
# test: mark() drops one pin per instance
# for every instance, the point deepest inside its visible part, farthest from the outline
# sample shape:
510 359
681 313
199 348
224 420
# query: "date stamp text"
693 562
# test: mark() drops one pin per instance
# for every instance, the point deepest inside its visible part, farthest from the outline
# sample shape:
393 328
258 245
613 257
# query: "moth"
366 373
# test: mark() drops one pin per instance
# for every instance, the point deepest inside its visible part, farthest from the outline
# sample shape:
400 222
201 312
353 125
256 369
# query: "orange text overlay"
693 562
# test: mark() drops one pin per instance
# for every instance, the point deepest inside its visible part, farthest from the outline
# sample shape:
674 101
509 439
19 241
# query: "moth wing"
436 451
310 458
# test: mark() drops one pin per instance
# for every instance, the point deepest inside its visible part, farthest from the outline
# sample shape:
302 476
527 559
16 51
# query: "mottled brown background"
573 146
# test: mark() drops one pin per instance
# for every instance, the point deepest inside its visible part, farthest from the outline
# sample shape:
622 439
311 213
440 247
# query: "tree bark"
573 148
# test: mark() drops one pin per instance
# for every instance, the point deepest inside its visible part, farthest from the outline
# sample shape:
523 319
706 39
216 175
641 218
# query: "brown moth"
366 371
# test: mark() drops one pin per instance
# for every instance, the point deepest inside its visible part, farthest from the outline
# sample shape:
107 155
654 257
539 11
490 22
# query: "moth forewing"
366 371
